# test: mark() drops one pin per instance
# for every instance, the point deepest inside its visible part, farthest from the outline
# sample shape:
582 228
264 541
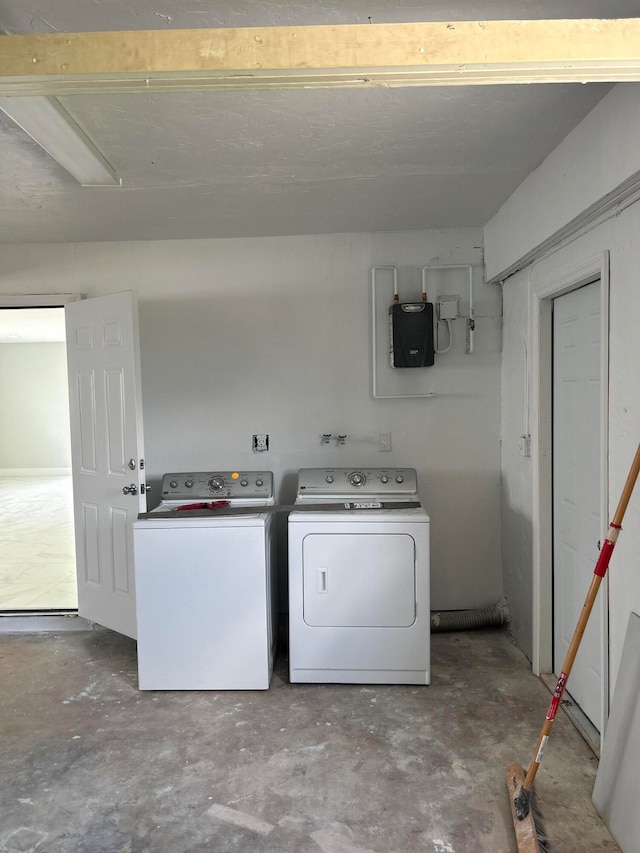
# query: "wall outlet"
260 443
384 441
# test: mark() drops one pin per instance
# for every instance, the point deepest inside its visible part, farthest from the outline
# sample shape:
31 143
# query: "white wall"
34 406
517 508
273 336
619 235
600 154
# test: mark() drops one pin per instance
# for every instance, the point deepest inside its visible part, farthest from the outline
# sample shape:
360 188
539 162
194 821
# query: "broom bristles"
522 802
531 836
538 820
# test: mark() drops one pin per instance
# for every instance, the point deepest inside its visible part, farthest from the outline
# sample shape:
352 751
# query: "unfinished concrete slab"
89 764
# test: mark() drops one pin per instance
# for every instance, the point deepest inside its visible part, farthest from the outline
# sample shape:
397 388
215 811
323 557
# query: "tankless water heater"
411 334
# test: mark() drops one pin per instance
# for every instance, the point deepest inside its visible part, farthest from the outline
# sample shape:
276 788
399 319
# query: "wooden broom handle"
599 572
603 563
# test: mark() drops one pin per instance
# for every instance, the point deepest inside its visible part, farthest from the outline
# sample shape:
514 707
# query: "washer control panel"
219 485
345 482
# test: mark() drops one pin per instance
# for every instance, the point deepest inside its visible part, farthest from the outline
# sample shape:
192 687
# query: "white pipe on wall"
471 323
374 348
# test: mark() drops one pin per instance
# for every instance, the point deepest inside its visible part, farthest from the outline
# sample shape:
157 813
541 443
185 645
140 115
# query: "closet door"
576 487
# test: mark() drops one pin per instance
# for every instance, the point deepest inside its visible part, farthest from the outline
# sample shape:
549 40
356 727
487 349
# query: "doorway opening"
37 547
549 282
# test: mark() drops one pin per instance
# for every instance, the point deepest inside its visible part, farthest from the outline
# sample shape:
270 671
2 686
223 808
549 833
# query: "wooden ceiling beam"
410 54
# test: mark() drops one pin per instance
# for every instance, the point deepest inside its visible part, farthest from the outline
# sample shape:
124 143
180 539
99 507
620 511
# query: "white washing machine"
205 578
359 578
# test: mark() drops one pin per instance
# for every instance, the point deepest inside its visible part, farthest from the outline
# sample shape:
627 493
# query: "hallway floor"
37 556
88 764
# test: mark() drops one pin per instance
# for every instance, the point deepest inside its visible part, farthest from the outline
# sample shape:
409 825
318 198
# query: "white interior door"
105 400
576 488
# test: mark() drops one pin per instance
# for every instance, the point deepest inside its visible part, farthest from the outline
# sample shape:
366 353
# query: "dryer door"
359 580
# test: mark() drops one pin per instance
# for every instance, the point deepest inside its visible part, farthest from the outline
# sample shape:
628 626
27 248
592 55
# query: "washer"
359 578
205 597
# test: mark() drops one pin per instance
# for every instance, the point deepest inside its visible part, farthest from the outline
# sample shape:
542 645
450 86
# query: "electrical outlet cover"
260 443
384 441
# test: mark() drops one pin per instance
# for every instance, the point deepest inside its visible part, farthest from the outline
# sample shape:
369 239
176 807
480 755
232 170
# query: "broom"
530 834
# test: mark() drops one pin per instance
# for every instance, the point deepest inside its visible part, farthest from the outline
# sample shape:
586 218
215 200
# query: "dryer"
359 578
205 578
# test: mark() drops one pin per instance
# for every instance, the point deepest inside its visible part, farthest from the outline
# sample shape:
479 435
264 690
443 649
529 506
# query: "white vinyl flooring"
37 559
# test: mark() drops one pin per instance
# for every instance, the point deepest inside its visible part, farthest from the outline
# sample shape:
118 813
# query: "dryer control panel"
349 482
217 484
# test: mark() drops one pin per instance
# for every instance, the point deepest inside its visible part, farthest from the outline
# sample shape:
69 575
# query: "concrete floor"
89 764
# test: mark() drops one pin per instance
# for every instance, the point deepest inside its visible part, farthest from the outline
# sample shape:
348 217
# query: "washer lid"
184 520
207 506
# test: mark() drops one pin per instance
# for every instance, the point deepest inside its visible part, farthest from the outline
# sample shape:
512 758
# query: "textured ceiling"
227 164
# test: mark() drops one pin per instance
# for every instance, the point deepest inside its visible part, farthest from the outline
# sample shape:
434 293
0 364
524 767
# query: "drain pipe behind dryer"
469 620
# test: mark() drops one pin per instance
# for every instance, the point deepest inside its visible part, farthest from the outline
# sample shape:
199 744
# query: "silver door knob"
130 490
145 489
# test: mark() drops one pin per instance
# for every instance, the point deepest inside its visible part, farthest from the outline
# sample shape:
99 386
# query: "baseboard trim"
577 716
35 472
37 622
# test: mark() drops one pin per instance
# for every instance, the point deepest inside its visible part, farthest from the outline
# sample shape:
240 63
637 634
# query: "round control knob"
216 483
244 482
399 478
188 484
329 478
384 479
173 484
357 479
259 483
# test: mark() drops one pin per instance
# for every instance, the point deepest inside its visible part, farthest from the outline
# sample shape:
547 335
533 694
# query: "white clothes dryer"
205 579
359 578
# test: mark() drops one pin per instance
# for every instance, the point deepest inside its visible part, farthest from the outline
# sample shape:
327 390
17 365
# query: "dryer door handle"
322 580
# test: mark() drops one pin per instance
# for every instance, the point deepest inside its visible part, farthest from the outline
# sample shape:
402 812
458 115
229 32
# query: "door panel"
89 544
86 427
115 398
106 432
359 580
576 487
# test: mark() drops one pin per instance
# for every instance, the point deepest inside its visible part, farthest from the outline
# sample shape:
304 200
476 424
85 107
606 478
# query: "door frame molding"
42 300
545 286
37 300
